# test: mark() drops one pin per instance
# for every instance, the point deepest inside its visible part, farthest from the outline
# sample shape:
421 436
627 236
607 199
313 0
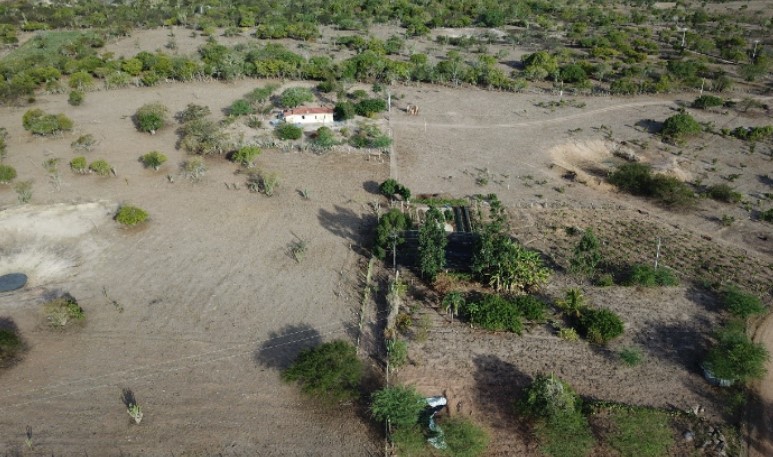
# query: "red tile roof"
303 111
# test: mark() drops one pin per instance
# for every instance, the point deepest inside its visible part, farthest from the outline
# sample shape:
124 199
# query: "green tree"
203 136
38 122
100 167
324 138
79 165
549 397
600 325
294 96
680 126
344 111
432 244
453 302
287 131
240 107
506 265
389 232
150 117
330 371
245 155
370 106
131 215
400 405
153 159
587 254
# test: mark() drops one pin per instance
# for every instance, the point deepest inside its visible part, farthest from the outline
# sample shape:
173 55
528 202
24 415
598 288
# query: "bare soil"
198 310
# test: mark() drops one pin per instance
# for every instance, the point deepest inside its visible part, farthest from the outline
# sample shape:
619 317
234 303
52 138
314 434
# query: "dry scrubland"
187 310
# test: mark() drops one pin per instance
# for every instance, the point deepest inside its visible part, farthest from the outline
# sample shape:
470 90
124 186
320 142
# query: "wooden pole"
657 254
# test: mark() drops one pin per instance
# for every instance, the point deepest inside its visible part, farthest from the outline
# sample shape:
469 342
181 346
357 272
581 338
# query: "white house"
308 115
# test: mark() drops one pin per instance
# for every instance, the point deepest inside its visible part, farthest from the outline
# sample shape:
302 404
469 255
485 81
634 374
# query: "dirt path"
760 420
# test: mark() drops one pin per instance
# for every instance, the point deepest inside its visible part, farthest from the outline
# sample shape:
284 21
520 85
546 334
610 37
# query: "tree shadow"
650 125
681 343
128 398
499 384
765 179
345 223
371 187
281 347
7 323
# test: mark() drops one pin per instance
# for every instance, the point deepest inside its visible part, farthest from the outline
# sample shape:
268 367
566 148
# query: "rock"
688 436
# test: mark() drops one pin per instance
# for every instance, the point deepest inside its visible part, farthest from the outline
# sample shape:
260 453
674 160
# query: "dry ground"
185 310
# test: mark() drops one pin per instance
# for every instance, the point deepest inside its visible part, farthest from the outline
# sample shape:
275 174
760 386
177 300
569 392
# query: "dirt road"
760 413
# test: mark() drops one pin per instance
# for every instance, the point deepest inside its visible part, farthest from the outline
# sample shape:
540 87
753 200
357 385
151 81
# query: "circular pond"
12 281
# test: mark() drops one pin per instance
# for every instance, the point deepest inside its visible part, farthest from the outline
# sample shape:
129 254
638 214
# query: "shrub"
568 334
723 193
289 132
587 254
638 179
79 165
600 325
344 111
261 94
203 137
76 98
397 353
38 122
330 371
734 356
100 167
193 112
530 307
324 138
631 356
10 343
7 173
240 108
150 117
648 276
639 432
740 303
84 143
605 280
752 133
464 438
707 101
370 106
548 397
245 155
390 188
153 159
680 126
401 405
131 215
767 215
193 169
495 313
294 96
23 191
61 311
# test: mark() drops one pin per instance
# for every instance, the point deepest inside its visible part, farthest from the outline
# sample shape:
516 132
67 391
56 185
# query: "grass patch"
62 311
639 432
566 435
44 47
11 344
647 276
631 356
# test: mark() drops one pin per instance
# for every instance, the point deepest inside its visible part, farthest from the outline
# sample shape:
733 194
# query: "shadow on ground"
281 348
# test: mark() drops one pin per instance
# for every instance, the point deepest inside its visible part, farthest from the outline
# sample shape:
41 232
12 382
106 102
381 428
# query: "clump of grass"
131 215
639 432
62 311
631 356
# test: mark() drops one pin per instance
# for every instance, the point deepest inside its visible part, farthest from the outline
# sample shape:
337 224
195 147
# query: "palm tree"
452 303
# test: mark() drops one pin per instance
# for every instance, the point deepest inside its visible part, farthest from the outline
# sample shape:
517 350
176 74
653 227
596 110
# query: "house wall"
318 118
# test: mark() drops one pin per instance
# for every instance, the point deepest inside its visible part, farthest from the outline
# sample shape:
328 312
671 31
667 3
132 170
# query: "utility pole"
657 254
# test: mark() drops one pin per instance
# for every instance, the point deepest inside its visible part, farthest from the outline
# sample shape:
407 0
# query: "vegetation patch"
734 357
38 122
11 344
493 312
63 311
640 432
289 132
330 371
153 159
150 117
638 179
7 173
741 304
649 276
131 215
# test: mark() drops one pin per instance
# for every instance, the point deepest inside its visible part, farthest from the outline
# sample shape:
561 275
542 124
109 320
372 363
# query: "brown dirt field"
201 292
195 300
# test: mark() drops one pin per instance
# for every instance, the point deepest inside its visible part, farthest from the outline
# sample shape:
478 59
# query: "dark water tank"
12 281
